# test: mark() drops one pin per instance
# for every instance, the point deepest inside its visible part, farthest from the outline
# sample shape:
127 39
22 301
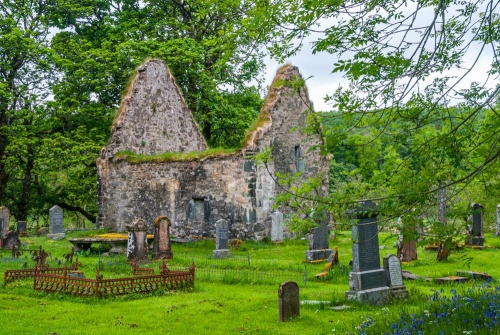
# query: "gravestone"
476 237
288 301
56 217
497 233
394 276
137 243
161 246
4 223
221 239
318 240
277 227
22 228
11 240
367 280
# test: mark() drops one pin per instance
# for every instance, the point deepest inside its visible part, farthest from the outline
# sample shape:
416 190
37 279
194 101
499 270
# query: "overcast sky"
318 67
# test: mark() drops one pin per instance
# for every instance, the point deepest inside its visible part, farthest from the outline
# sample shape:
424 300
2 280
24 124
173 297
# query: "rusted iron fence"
99 287
11 275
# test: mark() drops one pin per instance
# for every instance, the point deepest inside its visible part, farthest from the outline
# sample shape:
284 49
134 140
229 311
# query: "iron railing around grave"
11 275
39 256
99 287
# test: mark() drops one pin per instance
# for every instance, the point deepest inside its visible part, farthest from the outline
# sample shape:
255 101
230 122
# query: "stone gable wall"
153 117
194 195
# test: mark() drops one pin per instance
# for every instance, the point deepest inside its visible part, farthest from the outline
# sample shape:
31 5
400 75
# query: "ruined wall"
153 117
194 195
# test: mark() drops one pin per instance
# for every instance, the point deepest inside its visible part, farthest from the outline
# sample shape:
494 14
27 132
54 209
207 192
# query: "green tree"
404 61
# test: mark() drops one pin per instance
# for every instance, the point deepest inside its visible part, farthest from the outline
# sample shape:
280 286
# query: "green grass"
225 303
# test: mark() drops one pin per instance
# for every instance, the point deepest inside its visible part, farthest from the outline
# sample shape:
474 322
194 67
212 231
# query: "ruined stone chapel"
194 191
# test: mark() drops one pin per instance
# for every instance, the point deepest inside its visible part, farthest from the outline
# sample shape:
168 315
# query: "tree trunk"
23 206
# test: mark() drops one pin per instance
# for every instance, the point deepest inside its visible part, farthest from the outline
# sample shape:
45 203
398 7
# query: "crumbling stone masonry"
195 193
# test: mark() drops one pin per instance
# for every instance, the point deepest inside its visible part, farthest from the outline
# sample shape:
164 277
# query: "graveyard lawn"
238 295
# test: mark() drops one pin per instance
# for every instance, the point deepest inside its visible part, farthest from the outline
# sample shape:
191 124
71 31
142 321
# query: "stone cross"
476 237
137 244
221 239
161 246
56 217
367 280
288 301
318 240
277 227
394 275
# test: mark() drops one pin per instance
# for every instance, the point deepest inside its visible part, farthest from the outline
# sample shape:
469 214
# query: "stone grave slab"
288 301
394 276
22 228
137 243
221 239
476 237
318 240
56 217
367 280
277 227
161 246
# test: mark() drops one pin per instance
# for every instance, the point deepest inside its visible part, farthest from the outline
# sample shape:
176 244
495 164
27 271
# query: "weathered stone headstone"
161 246
318 240
394 276
476 237
367 280
277 227
288 301
22 228
137 244
221 239
4 223
11 240
56 216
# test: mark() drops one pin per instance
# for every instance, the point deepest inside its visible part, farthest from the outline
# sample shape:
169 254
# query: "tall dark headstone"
394 276
476 237
221 239
161 246
318 241
56 216
137 244
288 301
367 280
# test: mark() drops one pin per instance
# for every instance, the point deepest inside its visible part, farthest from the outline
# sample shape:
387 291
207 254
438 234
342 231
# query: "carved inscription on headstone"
222 235
221 239
366 239
288 301
56 217
392 268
